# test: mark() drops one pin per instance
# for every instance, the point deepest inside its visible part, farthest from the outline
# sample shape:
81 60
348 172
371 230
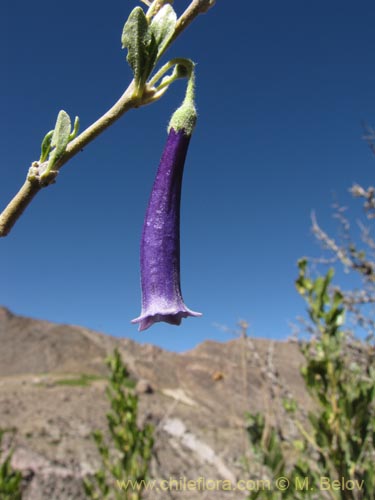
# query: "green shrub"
130 458
337 443
10 479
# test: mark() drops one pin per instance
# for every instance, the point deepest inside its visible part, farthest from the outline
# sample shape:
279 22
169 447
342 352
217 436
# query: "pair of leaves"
146 41
55 142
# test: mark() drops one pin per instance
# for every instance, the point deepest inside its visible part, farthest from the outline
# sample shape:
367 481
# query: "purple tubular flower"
160 245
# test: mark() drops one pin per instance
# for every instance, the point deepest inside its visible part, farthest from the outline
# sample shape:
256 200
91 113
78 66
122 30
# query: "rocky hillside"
52 381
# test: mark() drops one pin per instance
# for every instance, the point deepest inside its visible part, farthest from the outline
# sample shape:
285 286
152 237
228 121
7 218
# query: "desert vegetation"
328 452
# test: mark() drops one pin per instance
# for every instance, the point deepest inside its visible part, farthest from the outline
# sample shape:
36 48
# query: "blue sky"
282 88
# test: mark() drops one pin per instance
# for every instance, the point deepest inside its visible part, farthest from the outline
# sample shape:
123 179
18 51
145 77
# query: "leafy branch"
146 36
126 454
338 439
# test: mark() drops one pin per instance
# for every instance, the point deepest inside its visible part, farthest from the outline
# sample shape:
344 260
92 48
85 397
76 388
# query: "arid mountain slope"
197 402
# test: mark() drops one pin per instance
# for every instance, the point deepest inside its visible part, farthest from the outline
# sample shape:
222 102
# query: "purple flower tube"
160 244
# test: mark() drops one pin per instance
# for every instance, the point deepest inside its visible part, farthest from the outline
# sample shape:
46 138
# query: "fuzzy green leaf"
74 132
60 136
141 45
163 26
46 146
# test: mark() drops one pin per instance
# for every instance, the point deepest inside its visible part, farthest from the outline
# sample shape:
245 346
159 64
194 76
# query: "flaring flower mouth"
160 245
172 316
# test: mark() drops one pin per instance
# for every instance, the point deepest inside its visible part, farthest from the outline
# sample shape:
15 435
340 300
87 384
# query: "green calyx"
185 117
